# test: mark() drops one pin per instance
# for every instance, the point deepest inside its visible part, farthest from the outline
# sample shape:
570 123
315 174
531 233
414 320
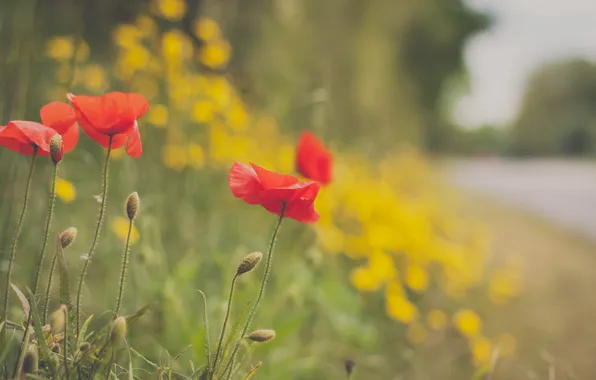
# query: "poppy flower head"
313 160
62 118
27 137
112 116
275 192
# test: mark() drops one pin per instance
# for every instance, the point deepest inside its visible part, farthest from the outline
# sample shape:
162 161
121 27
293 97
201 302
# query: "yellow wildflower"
468 322
176 46
65 190
482 349
158 115
238 118
202 111
60 48
196 156
206 29
401 308
136 57
82 53
171 10
94 77
146 26
507 344
120 229
215 54
126 35
364 280
416 333
416 278
175 157
436 319
381 265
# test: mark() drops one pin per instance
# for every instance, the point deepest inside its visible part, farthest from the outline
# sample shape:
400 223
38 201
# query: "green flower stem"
46 301
102 211
15 239
123 271
264 279
47 231
223 328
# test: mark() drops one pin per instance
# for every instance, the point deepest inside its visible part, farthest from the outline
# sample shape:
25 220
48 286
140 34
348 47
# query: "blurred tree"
558 116
485 140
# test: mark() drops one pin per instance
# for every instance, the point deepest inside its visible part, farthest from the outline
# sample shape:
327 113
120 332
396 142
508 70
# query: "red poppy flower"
256 185
61 118
26 137
313 160
114 115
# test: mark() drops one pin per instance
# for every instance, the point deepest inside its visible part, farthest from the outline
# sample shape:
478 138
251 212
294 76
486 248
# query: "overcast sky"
525 34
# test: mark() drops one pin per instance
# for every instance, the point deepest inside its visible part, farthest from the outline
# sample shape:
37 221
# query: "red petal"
58 116
134 147
35 134
313 160
271 179
70 138
244 183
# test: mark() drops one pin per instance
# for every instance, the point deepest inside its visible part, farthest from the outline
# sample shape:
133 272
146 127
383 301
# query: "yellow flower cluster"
390 217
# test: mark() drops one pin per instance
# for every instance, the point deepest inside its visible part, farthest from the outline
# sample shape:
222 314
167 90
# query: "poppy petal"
36 134
58 116
134 147
244 183
313 160
70 138
270 179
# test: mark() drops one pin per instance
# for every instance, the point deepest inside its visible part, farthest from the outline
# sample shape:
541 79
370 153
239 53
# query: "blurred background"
457 234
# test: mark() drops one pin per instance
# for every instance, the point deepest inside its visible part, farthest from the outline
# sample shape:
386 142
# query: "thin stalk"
46 301
223 328
44 244
102 210
123 271
65 347
15 239
264 279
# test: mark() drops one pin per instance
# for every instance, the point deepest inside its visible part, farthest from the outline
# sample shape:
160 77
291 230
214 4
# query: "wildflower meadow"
158 223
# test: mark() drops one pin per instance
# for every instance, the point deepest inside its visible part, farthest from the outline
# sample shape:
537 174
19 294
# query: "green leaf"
207 342
22 300
65 295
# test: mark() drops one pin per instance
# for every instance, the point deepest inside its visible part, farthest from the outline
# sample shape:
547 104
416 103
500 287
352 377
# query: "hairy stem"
44 244
223 328
46 301
264 279
102 210
123 271
15 238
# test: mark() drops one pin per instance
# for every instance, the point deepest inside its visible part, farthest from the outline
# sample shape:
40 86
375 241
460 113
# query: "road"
562 191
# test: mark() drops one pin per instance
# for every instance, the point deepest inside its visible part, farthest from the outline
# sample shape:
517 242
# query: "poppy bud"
67 237
350 364
261 335
118 330
133 203
30 362
85 346
249 262
56 152
58 320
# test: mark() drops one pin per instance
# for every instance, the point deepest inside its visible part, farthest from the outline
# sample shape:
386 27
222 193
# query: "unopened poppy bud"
58 320
67 237
261 335
85 346
31 362
350 364
56 151
249 262
133 203
118 331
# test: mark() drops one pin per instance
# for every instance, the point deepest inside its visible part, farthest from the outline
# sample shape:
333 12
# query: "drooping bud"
118 332
350 364
85 346
56 151
249 262
58 320
133 203
67 237
261 335
31 362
